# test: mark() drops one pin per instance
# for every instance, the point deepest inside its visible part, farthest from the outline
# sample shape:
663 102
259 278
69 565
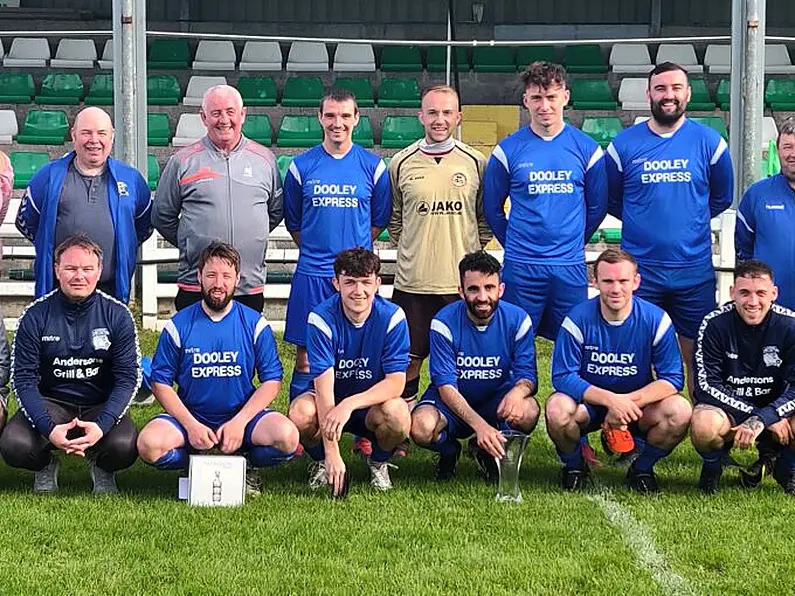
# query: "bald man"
88 192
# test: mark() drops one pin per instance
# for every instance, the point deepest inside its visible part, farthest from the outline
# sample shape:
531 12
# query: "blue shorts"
687 294
247 442
306 292
457 428
597 414
356 425
546 292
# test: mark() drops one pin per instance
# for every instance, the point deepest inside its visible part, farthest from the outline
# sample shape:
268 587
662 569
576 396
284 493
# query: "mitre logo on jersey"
439 208
771 357
459 179
100 338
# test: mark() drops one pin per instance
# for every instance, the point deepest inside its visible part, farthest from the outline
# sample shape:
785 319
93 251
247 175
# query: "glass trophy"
508 487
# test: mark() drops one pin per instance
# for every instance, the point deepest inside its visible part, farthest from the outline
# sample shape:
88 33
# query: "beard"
472 308
216 304
667 118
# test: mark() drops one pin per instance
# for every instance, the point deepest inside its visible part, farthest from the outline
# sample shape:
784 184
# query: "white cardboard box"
217 480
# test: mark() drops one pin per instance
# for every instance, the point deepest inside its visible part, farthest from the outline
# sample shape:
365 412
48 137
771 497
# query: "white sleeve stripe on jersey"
442 329
611 151
662 328
171 329
741 217
572 328
379 171
597 155
262 324
316 320
396 318
293 169
722 146
526 326
499 155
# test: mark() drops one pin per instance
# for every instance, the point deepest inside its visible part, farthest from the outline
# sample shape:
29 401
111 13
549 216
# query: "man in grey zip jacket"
223 187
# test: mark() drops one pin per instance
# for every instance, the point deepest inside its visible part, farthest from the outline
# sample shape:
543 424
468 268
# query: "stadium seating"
261 55
158 130
190 129
528 54
106 61
602 130
700 100
401 59
75 53
307 56
44 127
682 54
299 131
585 58
61 89
437 59
400 131
361 89
592 94
723 94
717 59
363 133
611 235
162 90
302 92
493 59
632 94
354 57
28 52
714 122
197 86
769 131
640 119
283 162
26 164
16 87
780 94
214 55
777 60
170 54
258 127
630 58
399 93
257 91
8 126
152 171
100 93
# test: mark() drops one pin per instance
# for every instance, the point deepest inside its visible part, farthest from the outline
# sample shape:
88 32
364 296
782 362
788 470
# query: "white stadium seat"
261 55
196 88
718 58
28 52
354 57
769 131
2 49
307 56
777 60
682 54
215 55
630 58
8 126
75 53
190 129
640 119
106 62
632 94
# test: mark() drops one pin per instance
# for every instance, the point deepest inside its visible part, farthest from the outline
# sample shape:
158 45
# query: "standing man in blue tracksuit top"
88 192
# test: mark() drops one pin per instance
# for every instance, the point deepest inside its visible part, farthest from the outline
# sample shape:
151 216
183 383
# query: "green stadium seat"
258 128
61 89
283 162
437 59
383 236
602 130
363 133
162 90
100 93
585 58
528 54
360 87
26 164
612 235
399 93
302 92
700 100
723 94
771 165
171 54
780 95
595 238
592 94
388 160
21 275
493 59
714 122
44 127
400 131
278 277
401 59
158 130
257 91
16 87
152 171
299 131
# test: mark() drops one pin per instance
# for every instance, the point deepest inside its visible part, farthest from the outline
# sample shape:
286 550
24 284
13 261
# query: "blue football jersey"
622 357
333 202
213 362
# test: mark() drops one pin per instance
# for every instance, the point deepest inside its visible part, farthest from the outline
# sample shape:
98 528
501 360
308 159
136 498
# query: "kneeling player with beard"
212 349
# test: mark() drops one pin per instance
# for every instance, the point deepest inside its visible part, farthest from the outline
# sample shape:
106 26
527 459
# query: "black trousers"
23 446
184 299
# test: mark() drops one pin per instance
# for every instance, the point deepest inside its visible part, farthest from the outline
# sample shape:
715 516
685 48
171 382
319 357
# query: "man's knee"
676 413
18 444
155 440
423 425
394 417
282 432
117 450
560 410
708 425
303 414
